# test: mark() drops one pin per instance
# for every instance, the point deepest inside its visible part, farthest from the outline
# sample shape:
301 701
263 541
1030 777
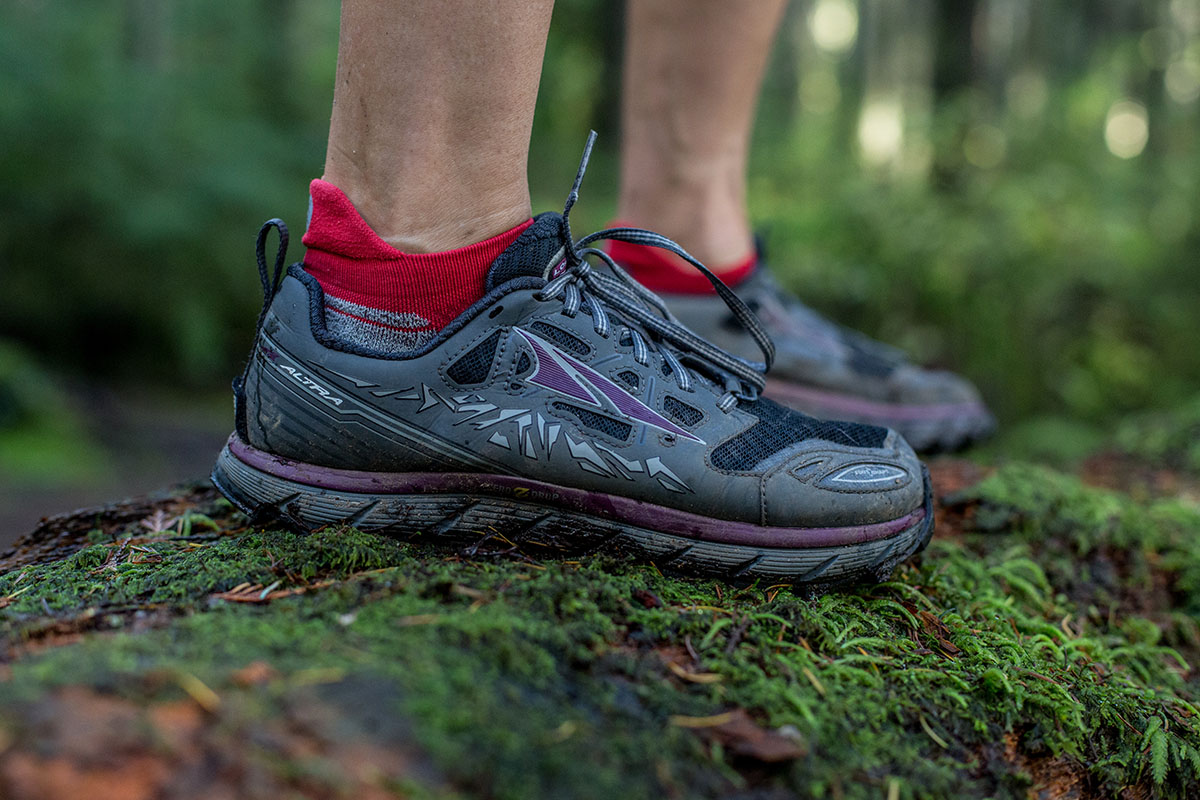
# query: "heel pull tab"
270 286
270 283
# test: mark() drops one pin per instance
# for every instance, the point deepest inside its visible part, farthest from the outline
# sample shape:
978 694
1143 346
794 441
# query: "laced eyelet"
653 329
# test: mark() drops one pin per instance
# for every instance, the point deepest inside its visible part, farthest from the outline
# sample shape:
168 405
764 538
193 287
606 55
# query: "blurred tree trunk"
1156 17
852 79
954 71
954 47
610 26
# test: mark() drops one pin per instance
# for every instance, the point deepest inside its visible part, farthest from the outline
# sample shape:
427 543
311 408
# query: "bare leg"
432 112
692 73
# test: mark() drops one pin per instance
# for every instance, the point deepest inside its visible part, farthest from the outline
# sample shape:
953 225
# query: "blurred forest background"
1009 188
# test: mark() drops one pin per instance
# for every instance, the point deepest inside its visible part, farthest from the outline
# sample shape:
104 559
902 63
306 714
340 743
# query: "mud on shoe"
564 413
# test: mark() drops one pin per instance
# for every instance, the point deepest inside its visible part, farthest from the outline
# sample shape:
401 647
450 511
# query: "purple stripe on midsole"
619 509
834 403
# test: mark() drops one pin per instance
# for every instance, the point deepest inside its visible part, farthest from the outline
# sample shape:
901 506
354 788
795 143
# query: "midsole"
621 509
788 392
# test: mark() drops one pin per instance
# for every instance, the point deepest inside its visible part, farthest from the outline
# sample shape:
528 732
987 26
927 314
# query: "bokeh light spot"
1127 129
1183 81
984 146
1157 46
834 25
881 130
1027 94
1186 14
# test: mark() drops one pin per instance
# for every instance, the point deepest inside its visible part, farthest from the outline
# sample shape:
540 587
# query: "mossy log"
1042 646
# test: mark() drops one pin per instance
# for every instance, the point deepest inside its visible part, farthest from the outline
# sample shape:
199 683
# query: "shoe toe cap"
829 485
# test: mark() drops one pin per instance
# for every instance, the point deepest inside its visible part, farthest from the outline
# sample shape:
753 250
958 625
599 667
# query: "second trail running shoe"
825 369
565 412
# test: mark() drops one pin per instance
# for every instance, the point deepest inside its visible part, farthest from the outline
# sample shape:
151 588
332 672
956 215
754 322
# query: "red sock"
661 271
376 295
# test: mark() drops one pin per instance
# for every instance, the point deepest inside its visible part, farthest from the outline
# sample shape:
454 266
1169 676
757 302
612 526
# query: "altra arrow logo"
558 372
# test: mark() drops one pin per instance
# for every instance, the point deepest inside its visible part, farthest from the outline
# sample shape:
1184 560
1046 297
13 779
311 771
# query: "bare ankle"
708 220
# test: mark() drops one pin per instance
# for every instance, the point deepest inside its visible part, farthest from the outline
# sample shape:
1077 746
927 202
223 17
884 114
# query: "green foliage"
1169 439
143 143
1047 283
41 437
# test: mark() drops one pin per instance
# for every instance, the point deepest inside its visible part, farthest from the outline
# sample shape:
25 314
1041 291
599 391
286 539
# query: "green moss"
549 679
1099 546
181 569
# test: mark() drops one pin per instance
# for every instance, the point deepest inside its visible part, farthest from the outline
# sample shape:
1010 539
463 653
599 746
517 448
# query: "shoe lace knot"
651 326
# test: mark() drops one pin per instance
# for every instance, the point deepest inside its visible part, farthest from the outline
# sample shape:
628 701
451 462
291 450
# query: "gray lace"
580 286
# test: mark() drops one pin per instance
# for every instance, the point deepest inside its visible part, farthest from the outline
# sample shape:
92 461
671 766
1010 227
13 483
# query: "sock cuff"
662 271
353 264
335 226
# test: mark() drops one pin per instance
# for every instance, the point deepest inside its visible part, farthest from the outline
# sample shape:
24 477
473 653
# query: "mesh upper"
597 422
779 428
630 379
681 412
474 365
567 341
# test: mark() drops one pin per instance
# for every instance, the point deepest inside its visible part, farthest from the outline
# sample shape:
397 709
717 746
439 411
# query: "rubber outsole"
473 523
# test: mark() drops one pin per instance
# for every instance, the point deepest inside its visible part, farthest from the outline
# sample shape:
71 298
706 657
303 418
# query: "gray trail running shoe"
826 370
563 414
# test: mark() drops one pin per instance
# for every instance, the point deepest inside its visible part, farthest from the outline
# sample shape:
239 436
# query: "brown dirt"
1125 473
80 743
950 476
1051 777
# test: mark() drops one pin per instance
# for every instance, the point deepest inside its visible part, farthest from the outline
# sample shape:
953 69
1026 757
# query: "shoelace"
580 286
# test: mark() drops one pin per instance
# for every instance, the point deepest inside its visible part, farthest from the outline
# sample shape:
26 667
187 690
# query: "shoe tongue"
534 254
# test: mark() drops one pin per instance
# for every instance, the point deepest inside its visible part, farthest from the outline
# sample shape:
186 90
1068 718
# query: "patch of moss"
185 569
976 671
1100 547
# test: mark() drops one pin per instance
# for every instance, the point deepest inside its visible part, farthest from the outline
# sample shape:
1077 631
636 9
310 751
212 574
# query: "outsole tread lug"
358 517
745 567
672 556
